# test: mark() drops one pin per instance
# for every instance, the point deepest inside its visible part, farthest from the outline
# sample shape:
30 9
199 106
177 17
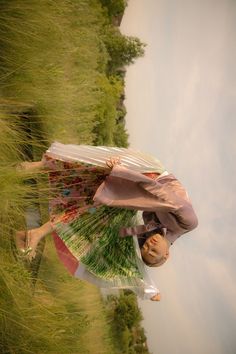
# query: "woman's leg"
31 166
36 235
28 241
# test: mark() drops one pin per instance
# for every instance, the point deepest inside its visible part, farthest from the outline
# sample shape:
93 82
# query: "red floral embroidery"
73 186
152 175
69 216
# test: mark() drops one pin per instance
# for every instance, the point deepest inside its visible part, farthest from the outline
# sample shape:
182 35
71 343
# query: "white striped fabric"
98 155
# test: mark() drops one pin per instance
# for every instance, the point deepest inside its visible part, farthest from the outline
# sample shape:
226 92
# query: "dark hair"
158 230
142 239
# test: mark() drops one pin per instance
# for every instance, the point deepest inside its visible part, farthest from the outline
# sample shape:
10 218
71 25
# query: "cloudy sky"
181 102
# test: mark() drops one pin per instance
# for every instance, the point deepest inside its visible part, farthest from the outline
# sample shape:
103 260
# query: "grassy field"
52 59
63 315
53 84
54 64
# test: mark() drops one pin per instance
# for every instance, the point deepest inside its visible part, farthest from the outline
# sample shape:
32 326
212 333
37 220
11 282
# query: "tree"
126 316
114 7
121 135
123 50
127 312
110 90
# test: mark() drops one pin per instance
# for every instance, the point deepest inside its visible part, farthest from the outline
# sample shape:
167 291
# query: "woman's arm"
130 175
168 190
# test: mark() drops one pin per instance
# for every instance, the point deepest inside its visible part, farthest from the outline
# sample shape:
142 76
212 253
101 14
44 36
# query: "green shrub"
114 7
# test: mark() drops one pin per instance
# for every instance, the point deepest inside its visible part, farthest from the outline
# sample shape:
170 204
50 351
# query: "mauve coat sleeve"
165 196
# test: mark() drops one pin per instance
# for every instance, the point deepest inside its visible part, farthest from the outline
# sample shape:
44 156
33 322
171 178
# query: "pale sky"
181 102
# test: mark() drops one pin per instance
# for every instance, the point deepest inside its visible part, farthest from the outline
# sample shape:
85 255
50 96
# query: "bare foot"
20 240
27 242
156 297
33 239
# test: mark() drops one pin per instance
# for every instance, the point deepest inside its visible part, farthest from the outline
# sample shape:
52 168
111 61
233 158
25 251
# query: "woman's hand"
113 161
156 297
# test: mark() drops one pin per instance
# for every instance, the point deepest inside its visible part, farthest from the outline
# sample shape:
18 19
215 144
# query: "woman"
93 203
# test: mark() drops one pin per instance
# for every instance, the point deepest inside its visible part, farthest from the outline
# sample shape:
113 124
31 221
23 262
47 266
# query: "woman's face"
155 250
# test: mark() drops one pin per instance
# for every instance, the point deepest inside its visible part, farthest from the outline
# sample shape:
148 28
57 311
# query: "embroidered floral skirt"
86 232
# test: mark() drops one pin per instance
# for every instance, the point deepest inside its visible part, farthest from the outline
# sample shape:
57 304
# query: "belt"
141 229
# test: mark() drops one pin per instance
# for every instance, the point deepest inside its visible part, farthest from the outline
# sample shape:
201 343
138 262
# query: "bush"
110 90
125 315
114 7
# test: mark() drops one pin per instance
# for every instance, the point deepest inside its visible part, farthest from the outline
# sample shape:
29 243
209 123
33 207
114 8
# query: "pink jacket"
165 197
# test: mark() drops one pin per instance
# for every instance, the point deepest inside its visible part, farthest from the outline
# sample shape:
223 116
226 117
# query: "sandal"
22 244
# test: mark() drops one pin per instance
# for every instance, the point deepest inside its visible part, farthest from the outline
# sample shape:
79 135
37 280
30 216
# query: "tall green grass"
52 58
55 84
52 64
59 315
